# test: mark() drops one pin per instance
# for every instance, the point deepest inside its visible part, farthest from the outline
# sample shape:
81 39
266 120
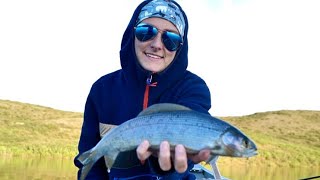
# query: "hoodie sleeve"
89 137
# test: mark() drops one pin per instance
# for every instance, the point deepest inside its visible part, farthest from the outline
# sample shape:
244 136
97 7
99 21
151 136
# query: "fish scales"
176 127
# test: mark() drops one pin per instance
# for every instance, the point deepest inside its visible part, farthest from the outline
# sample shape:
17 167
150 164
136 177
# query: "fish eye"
245 143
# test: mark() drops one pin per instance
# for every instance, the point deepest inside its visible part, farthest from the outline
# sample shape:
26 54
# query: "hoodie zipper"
149 84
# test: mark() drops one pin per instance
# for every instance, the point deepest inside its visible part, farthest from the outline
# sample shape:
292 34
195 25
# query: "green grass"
284 138
35 130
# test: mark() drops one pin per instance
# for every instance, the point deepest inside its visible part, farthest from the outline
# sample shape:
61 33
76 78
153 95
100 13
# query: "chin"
152 69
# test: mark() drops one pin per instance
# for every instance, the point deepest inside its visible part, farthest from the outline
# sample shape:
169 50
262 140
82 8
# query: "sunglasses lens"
145 32
171 41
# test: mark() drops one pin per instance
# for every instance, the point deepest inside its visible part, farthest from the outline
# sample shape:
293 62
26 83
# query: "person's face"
152 54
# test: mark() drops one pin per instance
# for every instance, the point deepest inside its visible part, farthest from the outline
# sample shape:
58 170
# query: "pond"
36 168
60 168
269 173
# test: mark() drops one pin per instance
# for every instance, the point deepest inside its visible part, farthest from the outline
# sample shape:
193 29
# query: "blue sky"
255 55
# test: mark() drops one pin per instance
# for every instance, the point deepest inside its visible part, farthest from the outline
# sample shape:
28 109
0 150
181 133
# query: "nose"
157 42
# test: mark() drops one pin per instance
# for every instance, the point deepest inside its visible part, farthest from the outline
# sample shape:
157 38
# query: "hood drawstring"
146 92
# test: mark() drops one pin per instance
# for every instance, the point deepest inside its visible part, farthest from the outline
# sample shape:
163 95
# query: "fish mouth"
249 153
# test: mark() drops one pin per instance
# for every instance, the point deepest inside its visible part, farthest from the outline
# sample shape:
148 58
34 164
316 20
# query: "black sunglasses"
144 32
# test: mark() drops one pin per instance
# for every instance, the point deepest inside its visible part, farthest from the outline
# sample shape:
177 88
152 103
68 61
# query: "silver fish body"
175 124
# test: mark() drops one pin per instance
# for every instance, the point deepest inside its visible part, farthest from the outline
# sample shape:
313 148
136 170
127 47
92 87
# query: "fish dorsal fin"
163 107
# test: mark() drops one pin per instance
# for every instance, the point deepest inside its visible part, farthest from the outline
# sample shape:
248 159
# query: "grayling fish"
177 125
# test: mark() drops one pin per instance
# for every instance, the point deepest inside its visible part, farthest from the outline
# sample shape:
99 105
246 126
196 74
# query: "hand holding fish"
180 156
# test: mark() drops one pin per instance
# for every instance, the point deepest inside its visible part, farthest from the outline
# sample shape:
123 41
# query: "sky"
255 55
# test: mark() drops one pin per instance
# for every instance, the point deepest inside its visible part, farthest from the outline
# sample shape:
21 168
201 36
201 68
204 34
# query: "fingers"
203 155
142 151
164 156
180 159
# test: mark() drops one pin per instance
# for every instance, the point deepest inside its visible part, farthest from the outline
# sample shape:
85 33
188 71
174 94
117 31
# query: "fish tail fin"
87 159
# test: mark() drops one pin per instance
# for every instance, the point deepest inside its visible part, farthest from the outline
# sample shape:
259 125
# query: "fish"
176 124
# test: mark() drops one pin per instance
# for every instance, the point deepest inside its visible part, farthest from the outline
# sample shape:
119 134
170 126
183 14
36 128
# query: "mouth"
153 56
250 153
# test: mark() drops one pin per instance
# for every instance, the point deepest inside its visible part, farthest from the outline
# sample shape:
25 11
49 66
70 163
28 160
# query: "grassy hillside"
284 138
35 130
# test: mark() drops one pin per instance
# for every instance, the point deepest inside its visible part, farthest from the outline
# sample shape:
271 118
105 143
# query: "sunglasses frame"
165 35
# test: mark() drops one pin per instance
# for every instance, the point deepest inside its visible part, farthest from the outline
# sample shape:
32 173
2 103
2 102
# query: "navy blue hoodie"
119 96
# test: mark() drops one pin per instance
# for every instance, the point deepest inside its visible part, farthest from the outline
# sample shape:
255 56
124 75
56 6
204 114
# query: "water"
59 168
269 173
37 168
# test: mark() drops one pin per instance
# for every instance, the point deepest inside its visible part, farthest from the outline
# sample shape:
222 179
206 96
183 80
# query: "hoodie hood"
134 73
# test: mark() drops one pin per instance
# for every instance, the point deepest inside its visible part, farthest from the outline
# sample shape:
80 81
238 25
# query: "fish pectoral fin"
163 107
